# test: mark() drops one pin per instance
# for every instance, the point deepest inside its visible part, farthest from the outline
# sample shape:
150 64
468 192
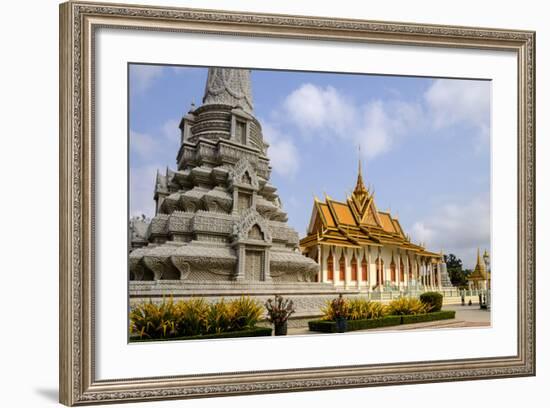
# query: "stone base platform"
308 297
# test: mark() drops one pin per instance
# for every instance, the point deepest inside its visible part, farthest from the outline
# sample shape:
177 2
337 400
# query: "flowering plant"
279 309
340 307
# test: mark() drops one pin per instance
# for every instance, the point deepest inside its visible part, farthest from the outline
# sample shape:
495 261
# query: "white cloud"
458 101
177 69
171 130
143 144
165 140
457 228
379 125
283 154
375 125
313 108
142 187
149 154
375 136
143 76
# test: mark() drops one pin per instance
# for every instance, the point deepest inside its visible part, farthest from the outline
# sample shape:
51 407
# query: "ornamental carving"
243 174
249 219
229 87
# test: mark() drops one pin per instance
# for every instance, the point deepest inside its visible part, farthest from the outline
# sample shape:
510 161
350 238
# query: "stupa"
219 227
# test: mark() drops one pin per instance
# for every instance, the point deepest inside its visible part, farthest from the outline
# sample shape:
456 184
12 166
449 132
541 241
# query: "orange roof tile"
343 213
387 223
327 215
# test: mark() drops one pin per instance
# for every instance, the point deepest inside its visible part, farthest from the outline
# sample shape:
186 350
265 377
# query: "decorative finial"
360 193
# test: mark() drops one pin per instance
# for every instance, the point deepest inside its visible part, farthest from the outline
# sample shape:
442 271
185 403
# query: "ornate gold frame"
77 24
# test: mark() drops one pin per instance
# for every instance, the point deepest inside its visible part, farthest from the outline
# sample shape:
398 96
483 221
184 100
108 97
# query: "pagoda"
480 278
218 220
359 246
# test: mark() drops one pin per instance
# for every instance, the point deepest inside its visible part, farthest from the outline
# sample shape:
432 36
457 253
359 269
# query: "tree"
458 276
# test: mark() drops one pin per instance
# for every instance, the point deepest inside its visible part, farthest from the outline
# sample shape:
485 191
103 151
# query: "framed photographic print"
256 203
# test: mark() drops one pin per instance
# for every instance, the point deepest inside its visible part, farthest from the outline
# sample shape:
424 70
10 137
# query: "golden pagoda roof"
357 222
480 272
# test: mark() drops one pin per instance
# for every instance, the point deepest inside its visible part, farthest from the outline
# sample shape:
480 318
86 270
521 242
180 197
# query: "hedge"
256 332
328 326
428 317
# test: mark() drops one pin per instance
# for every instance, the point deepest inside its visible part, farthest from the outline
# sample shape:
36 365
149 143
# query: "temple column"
386 271
379 271
267 264
366 254
323 265
336 268
418 273
439 285
359 262
427 273
406 272
414 271
347 271
371 270
240 276
320 263
398 270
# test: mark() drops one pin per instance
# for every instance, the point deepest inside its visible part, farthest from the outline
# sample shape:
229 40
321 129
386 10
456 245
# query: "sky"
424 144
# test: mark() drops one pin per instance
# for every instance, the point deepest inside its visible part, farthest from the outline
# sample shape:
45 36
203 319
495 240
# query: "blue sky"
425 144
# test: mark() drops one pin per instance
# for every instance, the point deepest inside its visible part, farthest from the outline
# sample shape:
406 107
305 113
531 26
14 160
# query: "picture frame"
79 22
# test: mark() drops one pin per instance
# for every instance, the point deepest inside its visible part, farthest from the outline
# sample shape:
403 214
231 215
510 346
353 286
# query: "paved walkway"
466 316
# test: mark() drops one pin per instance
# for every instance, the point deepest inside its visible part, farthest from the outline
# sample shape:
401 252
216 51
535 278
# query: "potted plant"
278 312
340 310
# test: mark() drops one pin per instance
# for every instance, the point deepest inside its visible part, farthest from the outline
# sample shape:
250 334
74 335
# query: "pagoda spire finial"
360 192
229 86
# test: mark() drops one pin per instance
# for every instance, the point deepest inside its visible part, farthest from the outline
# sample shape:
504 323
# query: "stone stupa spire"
229 86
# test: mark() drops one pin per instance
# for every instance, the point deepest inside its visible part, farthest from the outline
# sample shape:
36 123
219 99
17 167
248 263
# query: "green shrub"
359 309
255 332
406 306
218 318
428 317
193 317
326 326
154 321
337 307
244 313
433 300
